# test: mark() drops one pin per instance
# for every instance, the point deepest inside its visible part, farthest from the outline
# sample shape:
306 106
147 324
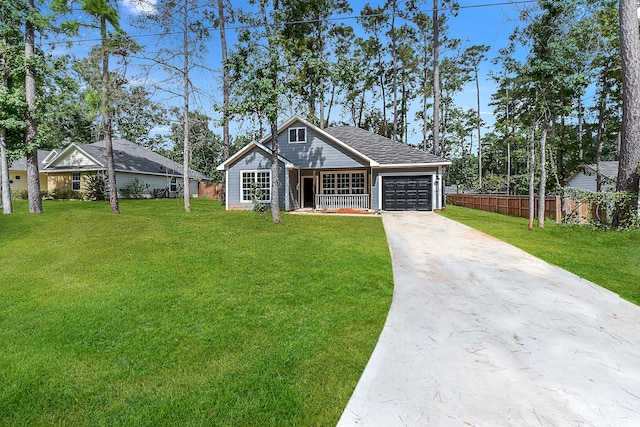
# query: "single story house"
335 168
69 168
586 178
18 172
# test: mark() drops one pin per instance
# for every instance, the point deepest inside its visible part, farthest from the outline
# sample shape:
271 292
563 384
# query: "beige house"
18 172
69 169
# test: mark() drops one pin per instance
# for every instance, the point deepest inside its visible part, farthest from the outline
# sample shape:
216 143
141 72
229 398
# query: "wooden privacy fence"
519 205
210 190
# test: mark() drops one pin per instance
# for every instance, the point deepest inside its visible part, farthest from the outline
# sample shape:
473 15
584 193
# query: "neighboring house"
335 168
18 172
69 169
586 179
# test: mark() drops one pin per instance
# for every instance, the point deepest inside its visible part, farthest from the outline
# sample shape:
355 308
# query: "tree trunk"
479 136
106 117
580 129
425 123
508 147
543 173
33 174
436 81
532 174
186 152
225 93
394 134
7 203
275 179
384 96
630 138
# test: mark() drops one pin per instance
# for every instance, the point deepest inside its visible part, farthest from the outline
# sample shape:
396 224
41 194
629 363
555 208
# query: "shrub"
135 189
95 187
257 199
65 194
20 194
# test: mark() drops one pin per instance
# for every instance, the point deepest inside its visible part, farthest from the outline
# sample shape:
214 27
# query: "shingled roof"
21 163
607 169
382 150
134 158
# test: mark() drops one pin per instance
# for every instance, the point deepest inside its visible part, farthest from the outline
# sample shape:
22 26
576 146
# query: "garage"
407 193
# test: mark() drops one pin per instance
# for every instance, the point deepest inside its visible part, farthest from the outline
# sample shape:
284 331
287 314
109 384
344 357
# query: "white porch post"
286 188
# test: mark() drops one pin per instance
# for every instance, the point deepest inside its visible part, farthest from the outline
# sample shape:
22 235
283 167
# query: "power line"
401 14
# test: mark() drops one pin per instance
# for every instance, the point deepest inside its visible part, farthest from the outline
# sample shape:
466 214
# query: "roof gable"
128 157
74 157
322 132
607 169
373 149
246 150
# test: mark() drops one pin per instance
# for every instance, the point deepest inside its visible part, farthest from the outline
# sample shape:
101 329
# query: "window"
297 135
357 183
173 186
75 181
257 179
328 183
343 183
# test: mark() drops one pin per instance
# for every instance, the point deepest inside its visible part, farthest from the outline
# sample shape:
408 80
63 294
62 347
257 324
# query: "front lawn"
608 258
159 317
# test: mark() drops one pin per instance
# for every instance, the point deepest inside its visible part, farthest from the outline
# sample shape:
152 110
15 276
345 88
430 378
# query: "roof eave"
327 135
223 166
414 165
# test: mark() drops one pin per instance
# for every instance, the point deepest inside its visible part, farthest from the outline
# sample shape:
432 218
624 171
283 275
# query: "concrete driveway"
482 334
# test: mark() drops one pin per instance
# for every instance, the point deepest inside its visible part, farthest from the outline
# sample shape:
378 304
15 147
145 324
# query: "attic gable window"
297 135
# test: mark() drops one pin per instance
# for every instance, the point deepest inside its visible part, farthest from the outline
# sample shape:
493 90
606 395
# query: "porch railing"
358 202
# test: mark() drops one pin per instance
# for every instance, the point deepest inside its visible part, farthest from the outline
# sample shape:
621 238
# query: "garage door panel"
401 193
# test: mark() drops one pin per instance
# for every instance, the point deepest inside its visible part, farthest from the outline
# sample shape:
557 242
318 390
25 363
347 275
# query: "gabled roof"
244 150
376 150
21 163
383 150
128 157
607 169
329 136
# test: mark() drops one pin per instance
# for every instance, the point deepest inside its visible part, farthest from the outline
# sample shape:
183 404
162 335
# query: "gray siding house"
336 168
586 178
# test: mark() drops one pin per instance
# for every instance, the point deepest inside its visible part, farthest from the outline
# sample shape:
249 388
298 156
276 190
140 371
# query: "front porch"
330 190
358 202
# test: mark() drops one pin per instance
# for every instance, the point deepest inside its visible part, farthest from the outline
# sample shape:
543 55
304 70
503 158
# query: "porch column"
286 188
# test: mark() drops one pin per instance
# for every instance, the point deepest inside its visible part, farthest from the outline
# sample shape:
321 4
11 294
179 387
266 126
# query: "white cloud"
141 7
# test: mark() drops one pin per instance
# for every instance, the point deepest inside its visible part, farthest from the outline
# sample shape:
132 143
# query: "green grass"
608 258
159 317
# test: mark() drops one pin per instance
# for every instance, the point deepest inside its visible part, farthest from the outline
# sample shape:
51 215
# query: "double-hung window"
252 181
297 135
75 181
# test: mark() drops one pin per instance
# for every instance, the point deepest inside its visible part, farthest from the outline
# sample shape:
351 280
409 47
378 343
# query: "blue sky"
477 22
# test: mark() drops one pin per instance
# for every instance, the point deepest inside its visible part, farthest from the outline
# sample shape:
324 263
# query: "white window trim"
336 173
255 177
306 134
173 184
73 181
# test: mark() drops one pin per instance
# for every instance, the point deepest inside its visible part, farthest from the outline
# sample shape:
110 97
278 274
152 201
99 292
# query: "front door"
307 192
